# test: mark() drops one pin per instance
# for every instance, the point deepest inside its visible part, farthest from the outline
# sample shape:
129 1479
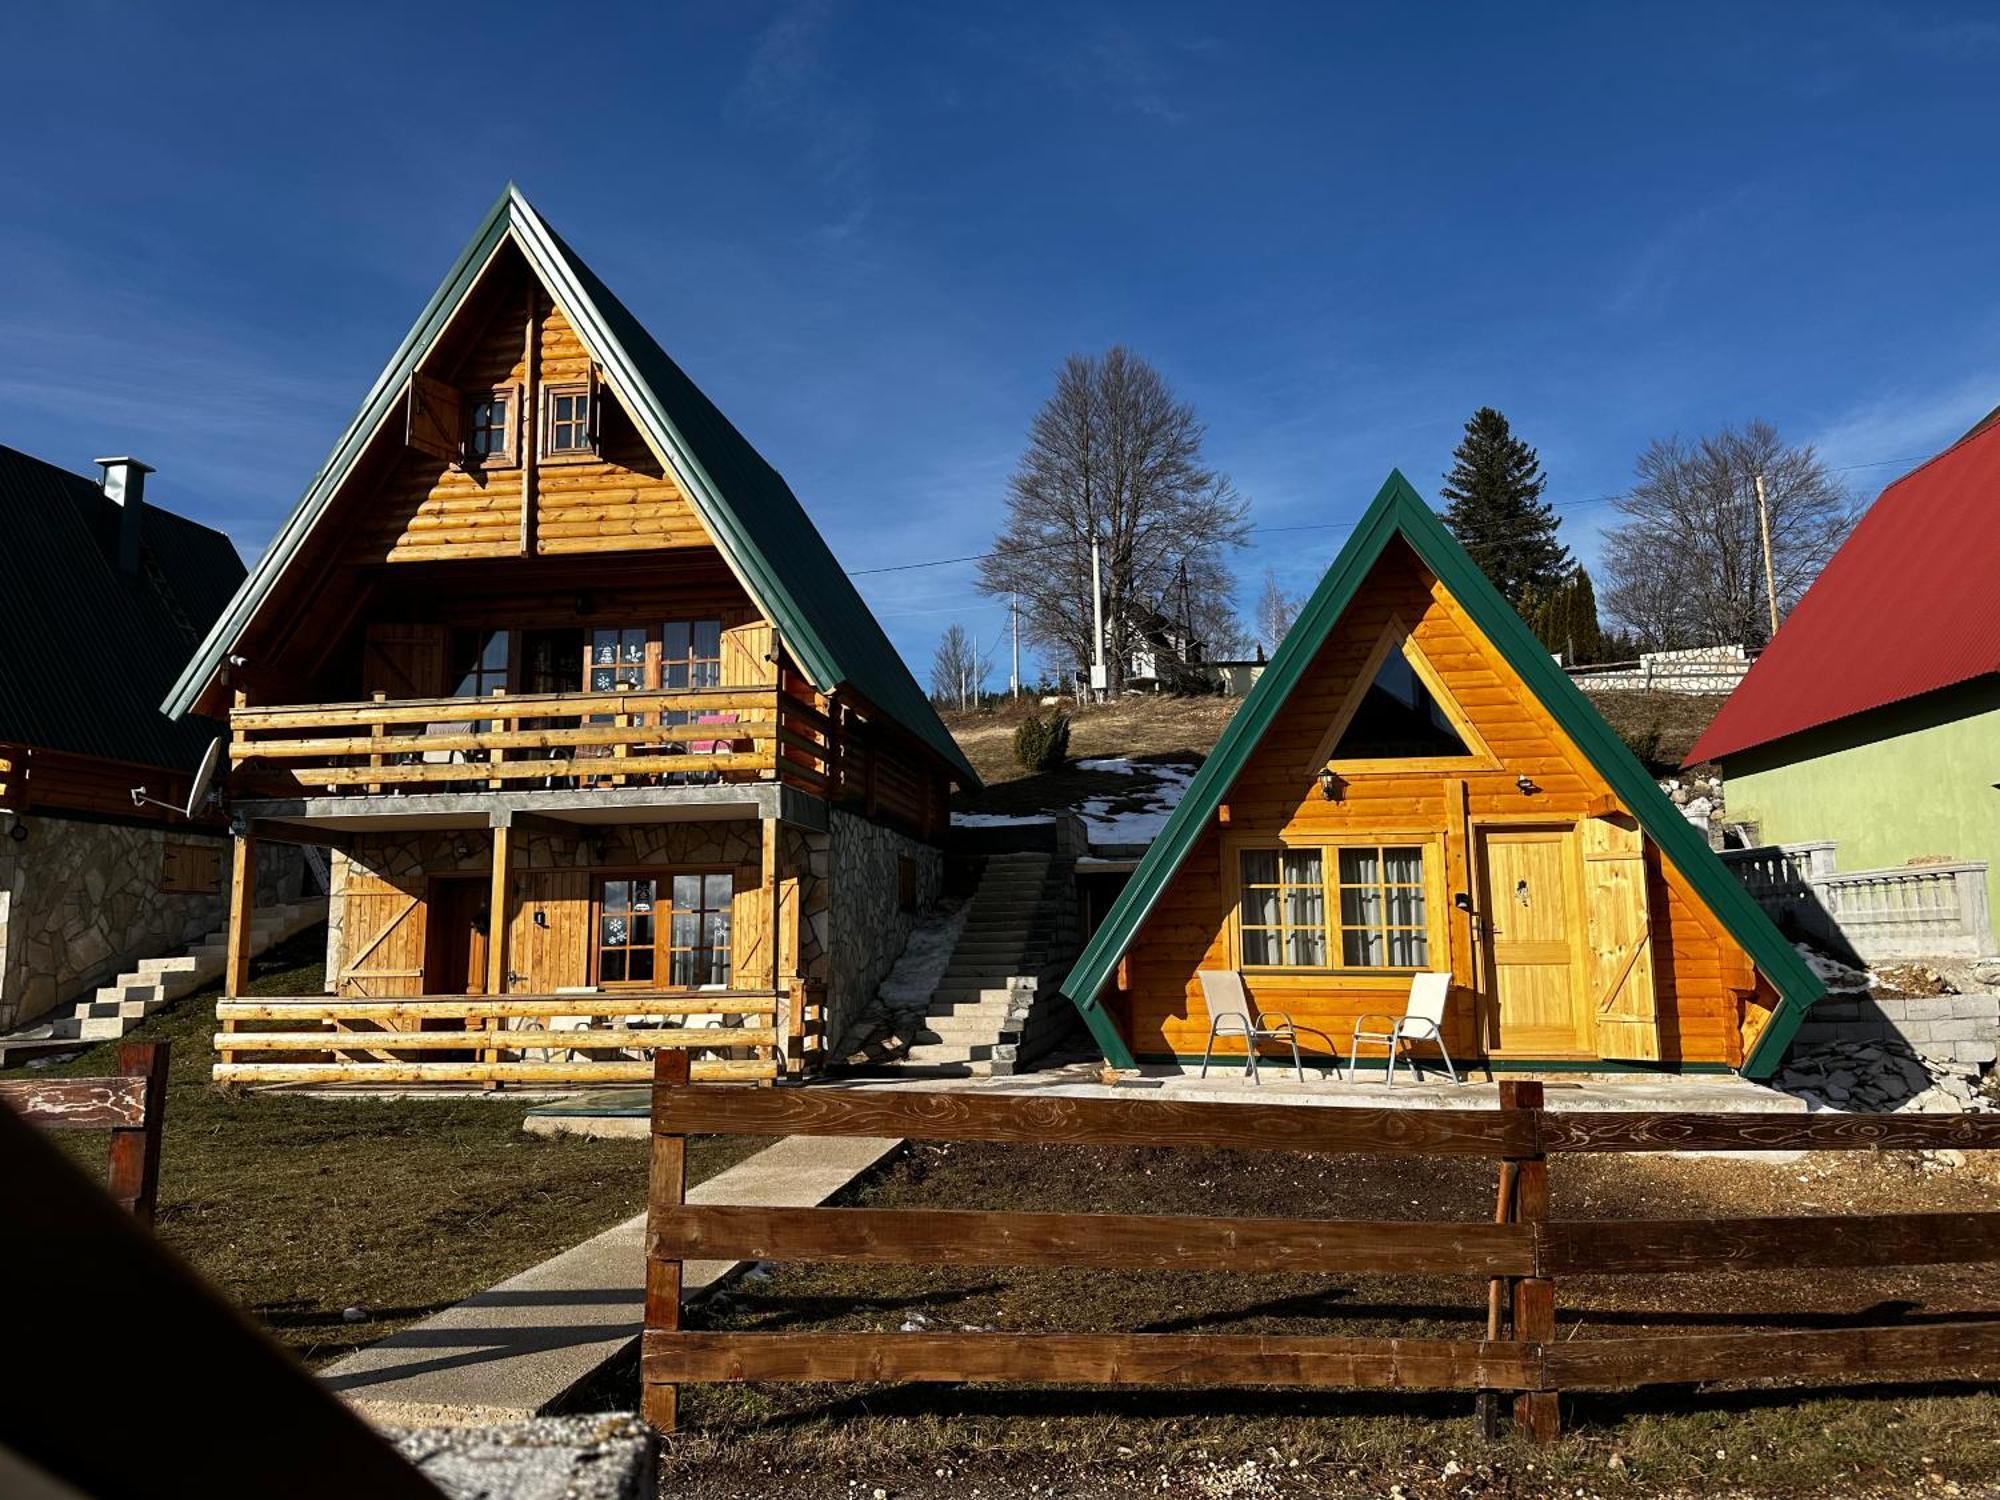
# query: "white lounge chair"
1229 1014
1422 1021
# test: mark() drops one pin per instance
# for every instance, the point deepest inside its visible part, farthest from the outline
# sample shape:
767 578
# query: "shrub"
1042 744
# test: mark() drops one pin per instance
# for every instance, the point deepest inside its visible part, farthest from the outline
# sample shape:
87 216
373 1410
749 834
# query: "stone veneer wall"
1959 1029
80 902
867 926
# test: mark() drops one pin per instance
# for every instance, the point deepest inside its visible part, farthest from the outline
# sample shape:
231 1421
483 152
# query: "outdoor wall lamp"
1330 785
1528 787
462 849
19 832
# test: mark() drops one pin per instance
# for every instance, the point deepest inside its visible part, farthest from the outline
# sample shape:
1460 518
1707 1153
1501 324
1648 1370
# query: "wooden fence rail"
1520 1252
499 1039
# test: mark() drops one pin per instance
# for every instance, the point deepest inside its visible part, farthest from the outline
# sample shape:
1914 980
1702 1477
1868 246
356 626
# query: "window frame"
662 945
1429 844
509 454
1397 635
546 424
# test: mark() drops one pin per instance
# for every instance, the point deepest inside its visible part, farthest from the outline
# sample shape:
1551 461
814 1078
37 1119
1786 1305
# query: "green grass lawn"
298 1208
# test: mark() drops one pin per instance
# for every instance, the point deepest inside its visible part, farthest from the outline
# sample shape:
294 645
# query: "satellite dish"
203 777
197 791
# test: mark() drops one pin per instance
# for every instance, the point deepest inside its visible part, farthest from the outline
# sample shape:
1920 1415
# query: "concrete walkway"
517 1349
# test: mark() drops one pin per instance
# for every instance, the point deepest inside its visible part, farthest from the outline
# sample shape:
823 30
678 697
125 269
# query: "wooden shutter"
746 655
404 661
1623 1002
381 940
436 418
554 953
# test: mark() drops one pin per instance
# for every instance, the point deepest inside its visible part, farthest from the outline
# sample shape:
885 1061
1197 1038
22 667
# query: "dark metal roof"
1905 607
86 652
757 521
1397 511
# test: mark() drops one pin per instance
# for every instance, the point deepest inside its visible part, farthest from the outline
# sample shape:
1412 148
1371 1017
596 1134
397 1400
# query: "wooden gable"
429 500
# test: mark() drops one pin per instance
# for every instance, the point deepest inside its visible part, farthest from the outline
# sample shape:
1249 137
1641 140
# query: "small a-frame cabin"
1414 785
609 753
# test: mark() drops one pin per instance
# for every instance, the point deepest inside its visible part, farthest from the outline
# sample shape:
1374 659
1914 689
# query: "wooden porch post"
242 911
1536 1413
497 923
785 1053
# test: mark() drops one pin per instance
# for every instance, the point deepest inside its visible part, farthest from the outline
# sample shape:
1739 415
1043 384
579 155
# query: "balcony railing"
526 741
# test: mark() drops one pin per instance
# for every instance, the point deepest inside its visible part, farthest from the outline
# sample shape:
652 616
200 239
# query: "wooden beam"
1610 1247
744 1071
1925 1349
666 1192
1039 1119
79 1103
498 910
607 1039
242 911
1536 1411
1567 1131
964 1237
528 421
1162 1359
134 1178
334 1007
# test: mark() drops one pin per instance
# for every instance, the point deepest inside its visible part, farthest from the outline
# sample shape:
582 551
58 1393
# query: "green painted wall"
1909 780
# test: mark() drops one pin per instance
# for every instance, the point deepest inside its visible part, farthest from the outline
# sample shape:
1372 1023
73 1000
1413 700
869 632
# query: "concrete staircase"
1014 936
120 1006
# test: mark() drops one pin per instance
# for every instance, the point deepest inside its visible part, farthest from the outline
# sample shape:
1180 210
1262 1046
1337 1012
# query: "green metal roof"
1398 511
756 520
86 650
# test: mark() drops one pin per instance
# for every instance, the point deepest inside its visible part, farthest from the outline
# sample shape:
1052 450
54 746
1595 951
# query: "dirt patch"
780 1441
1142 727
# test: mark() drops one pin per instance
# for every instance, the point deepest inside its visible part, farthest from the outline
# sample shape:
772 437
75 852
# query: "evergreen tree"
1496 509
1565 619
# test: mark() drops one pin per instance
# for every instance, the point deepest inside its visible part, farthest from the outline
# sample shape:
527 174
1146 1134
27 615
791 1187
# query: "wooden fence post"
135 1149
666 1191
1536 1413
1499 1301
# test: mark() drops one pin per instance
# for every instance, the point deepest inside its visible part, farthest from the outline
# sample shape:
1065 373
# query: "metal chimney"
125 487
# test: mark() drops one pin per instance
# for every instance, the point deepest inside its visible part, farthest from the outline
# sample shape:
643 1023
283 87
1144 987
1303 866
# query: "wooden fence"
1521 1252
501 1039
130 1103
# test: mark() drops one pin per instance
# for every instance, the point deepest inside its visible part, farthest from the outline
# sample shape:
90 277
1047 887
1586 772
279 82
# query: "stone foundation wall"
1949 1028
867 925
80 902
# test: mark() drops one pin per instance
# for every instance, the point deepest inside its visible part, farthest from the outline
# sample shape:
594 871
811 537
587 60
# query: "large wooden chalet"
610 753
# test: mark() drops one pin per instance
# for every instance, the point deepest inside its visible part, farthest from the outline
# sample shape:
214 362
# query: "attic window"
1398 718
488 435
569 429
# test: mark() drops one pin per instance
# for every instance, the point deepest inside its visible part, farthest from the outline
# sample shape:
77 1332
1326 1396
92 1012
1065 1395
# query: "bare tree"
959 668
1686 565
1113 454
1276 611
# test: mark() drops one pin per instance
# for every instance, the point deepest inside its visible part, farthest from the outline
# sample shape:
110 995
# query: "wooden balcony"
522 742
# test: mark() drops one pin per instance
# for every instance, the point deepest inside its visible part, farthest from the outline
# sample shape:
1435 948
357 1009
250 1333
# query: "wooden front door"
1531 942
460 921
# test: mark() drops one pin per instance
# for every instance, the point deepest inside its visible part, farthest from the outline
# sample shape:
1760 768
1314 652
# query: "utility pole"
1098 681
1014 678
1770 578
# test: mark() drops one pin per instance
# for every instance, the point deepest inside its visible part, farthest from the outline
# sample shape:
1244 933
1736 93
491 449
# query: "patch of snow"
1113 820
1831 971
1000 820
926 956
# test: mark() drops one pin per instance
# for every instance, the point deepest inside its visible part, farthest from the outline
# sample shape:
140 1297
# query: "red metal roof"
1910 604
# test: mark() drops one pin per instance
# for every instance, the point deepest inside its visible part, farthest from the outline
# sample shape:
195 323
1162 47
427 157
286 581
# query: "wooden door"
459 923
1530 942
1623 1003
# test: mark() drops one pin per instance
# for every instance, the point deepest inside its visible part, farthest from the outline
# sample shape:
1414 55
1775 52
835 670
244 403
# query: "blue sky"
873 231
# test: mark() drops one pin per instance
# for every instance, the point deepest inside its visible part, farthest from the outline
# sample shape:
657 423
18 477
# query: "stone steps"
117 1008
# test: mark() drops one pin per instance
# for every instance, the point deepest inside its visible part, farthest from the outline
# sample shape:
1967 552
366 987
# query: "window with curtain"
1363 904
699 935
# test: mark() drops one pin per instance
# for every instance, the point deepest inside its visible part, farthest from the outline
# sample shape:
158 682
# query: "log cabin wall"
1708 996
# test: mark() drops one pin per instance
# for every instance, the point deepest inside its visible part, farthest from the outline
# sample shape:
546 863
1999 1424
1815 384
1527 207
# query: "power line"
1574 505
